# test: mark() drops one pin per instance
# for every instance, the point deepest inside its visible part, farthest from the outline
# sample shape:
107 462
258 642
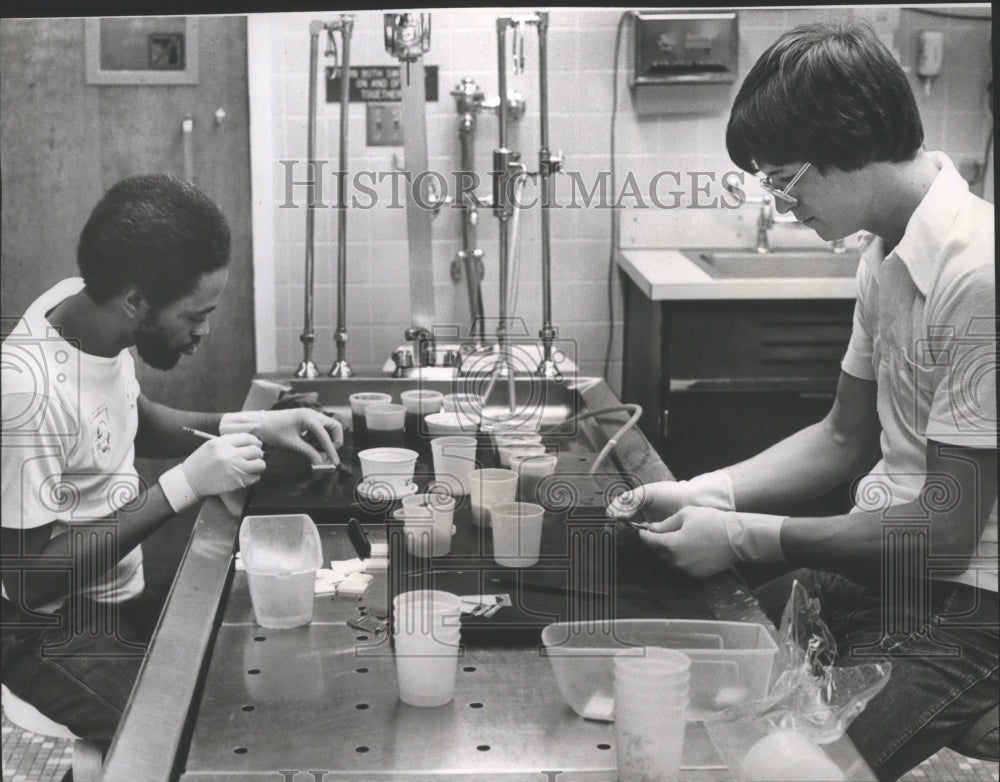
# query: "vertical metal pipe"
471 255
501 162
308 368
546 167
341 367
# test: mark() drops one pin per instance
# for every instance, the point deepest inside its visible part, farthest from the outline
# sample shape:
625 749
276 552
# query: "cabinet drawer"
758 339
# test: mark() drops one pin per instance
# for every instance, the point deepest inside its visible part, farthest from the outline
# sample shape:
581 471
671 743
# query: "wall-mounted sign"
378 84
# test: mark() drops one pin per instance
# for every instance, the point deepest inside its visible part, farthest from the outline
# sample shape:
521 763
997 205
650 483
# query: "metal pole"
501 165
340 367
547 165
308 368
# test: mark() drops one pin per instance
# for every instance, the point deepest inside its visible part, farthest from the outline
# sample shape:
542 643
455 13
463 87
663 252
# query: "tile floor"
31 758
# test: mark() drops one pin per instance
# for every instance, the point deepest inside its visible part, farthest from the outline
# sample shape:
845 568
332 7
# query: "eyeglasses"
782 194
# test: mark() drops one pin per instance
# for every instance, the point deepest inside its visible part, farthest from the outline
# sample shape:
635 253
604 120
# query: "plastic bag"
810 703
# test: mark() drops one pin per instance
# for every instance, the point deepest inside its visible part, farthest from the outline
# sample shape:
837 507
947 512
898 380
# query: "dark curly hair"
833 96
153 231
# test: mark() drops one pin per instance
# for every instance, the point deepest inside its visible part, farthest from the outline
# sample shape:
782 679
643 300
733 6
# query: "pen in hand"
199 433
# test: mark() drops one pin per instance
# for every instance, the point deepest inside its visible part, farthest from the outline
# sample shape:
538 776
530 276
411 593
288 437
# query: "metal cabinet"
720 380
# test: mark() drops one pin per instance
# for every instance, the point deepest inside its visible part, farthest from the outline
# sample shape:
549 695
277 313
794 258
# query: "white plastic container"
281 555
731 662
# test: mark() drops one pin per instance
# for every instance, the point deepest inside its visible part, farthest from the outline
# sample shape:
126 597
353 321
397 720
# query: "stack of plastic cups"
426 625
652 691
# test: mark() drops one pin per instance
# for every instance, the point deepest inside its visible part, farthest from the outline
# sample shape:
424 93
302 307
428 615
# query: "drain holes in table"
361 638
254 670
361 670
260 637
475 705
361 706
483 747
469 668
240 750
247 708
361 749
604 746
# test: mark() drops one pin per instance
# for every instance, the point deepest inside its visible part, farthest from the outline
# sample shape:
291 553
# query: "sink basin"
778 264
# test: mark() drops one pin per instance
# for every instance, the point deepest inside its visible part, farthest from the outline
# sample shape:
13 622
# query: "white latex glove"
289 428
220 465
665 498
704 541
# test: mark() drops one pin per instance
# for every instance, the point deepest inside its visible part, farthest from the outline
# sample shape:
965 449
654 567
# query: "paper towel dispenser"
677 48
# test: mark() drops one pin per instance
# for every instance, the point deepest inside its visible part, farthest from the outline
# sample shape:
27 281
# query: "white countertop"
668 275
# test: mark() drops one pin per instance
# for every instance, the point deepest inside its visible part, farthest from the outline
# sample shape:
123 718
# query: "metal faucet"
765 220
424 340
765 217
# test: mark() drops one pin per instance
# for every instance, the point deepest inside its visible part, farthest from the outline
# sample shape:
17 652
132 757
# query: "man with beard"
76 614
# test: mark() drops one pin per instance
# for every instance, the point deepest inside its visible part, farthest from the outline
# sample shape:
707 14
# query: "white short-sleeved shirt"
69 425
925 331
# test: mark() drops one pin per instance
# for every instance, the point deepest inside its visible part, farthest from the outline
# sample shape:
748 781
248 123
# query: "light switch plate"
384 124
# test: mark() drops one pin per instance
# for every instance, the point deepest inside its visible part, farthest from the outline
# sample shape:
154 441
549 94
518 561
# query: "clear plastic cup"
517 533
454 459
445 423
384 422
487 487
531 469
505 452
469 404
419 402
653 662
426 646
359 401
651 700
393 466
427 524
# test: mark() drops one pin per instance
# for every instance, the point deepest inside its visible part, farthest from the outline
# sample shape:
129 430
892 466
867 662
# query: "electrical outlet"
384 123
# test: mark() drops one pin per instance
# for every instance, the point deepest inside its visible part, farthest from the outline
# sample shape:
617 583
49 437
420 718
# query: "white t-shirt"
69 426
925 331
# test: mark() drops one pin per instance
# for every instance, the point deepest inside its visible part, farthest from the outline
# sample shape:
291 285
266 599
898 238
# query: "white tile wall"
581 49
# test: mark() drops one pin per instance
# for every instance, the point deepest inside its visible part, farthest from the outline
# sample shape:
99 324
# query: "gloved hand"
704 541
665 498
226 463
289 429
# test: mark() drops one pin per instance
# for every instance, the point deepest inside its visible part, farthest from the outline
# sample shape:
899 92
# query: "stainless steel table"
220 698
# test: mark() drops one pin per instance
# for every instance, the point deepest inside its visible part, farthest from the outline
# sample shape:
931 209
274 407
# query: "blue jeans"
78 667
943 651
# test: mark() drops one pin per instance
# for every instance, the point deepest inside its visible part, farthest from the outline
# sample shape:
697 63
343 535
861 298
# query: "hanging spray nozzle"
407 37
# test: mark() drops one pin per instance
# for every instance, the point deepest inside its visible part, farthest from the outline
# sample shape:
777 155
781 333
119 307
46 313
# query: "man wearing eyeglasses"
909 575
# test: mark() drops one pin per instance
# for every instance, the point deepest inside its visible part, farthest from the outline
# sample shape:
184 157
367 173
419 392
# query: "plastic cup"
427 524
454 459
445 423
391 467
281 555
653 662
517 533
462 402
384 422
359 402
418 403
426 646
531 469
488 487
505 452
650 714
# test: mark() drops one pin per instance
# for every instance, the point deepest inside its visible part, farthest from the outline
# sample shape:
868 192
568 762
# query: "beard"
154 346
